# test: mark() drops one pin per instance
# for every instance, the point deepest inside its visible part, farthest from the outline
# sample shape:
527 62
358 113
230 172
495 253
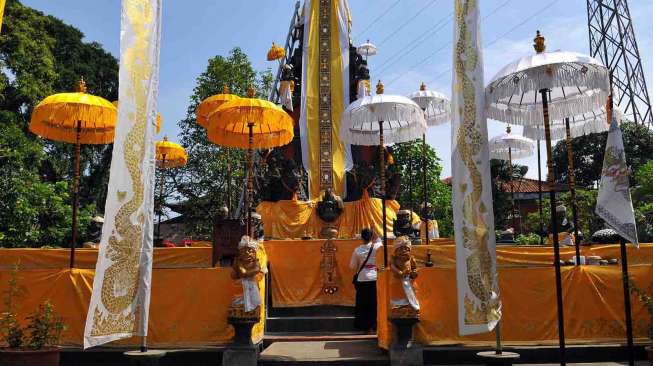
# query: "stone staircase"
320 335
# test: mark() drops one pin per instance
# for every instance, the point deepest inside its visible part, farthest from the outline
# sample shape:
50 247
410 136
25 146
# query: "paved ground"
320 351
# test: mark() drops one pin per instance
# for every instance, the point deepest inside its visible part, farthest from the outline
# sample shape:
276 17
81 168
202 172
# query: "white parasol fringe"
533 114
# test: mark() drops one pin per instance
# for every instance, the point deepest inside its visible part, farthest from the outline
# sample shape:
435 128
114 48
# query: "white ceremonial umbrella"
436 106
537 89
437 111
381 120
367 49
508 147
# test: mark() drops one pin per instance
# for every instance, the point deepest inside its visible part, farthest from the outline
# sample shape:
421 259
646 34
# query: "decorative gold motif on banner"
324 103
121 278
328 268
475 229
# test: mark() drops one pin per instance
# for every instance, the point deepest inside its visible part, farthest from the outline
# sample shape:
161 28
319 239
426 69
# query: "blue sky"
413 36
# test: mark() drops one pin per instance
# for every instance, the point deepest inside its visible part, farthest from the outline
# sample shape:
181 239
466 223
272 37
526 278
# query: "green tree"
588 154
587 219
408 162
40 55
643 202
201 186
501 198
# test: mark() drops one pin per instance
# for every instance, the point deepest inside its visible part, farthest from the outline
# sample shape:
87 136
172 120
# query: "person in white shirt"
363 262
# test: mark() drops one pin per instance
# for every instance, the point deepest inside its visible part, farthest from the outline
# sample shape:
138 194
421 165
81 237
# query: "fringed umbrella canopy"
367 49
510 146
59 116
403 120
584 124
158 117
211 104
170 154
578 84
271 125
436 106
276 52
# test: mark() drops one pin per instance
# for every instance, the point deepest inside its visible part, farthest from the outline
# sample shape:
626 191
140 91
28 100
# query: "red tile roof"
524 185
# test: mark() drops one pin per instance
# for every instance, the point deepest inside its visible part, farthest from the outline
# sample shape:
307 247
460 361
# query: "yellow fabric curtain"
201 301
29 258
593 298
296 219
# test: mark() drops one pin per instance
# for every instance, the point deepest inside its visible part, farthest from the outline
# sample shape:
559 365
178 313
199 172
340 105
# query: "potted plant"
647 300
35 343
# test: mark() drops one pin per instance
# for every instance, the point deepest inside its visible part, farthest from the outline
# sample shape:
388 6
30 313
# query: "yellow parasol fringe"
272 126
57 116
175 154
276 52
210 104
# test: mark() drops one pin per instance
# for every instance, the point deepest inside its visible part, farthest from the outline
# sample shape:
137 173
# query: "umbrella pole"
539 192
161 183
229 182
627 307
512 190
250 179
410 187
572 188
554 225
75 194
426 191
382 176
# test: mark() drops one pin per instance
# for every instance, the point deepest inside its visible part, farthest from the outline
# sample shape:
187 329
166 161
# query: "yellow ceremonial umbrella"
210 104
276 52
168 155
250 123
77 118
158 117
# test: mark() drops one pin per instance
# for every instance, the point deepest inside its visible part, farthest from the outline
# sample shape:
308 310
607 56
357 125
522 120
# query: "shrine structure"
319 186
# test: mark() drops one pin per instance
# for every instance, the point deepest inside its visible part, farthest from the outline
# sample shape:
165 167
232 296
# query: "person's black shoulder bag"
355 279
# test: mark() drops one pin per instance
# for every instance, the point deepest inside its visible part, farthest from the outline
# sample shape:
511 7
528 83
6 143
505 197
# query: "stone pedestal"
147 358
242 352
403 351
491 358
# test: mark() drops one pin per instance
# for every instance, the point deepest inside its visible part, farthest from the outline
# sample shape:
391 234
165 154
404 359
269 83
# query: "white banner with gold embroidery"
613 203
479 307
121 288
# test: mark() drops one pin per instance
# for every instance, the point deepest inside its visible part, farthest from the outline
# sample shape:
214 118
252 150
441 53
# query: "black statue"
403 225
330 207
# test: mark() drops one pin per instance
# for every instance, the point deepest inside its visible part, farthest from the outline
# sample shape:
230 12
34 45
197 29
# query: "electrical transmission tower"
612 40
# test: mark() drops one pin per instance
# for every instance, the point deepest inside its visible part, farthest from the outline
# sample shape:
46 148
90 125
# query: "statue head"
247 249
402 248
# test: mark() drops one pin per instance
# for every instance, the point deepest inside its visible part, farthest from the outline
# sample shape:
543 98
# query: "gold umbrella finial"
539 43
225 89
165 138
422 87
81 85
251 92
508 129
379 87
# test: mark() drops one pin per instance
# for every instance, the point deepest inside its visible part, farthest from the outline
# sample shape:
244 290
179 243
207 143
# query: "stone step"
295 324
352 353
322 310
270 338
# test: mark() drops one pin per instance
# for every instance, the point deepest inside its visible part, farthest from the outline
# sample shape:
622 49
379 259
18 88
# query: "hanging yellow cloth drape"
293 219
